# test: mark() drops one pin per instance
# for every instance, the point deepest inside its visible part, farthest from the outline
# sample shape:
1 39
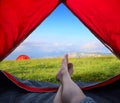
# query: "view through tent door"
59 34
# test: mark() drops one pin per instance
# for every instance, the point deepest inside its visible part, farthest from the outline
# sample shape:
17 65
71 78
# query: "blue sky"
58 34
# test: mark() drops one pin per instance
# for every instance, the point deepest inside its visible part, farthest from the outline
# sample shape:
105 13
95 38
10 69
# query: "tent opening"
59 34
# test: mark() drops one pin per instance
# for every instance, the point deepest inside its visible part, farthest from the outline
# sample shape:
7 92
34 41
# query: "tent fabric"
102 18
13 93
48 89
18 18
23 57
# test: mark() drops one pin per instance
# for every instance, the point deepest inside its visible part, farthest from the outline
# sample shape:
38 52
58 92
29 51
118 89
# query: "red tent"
23 57
18 18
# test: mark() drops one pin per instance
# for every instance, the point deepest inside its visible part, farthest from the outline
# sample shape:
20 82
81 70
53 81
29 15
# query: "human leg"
71 93
58 95
57 98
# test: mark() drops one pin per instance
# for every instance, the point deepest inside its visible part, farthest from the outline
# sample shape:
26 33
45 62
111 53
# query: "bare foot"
66 68
70 68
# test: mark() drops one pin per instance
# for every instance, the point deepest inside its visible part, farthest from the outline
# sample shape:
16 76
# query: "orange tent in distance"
23 57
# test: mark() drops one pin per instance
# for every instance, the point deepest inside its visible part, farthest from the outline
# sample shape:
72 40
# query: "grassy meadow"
85 69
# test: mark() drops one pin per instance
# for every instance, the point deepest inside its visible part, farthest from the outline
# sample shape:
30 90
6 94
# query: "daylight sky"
58 34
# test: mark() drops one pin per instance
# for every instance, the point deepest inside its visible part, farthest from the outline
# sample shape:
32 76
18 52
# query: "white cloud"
23 47
91 45
94 47
20 48
39 48
44 46
55 47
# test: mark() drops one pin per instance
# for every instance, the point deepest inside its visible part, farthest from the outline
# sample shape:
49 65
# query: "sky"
60 33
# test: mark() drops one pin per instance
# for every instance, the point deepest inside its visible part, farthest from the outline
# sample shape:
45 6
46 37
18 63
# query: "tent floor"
15 90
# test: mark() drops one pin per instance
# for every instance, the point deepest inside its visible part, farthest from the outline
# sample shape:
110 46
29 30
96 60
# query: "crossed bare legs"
68 91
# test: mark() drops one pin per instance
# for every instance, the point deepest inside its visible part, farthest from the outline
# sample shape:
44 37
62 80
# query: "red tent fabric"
18 18
102 17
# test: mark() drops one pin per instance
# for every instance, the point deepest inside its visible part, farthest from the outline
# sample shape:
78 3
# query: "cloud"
37 46
23 47
91 45
44 46
36 49
94 47
20 48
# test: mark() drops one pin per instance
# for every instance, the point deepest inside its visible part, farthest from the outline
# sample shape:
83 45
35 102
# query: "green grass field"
85 69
